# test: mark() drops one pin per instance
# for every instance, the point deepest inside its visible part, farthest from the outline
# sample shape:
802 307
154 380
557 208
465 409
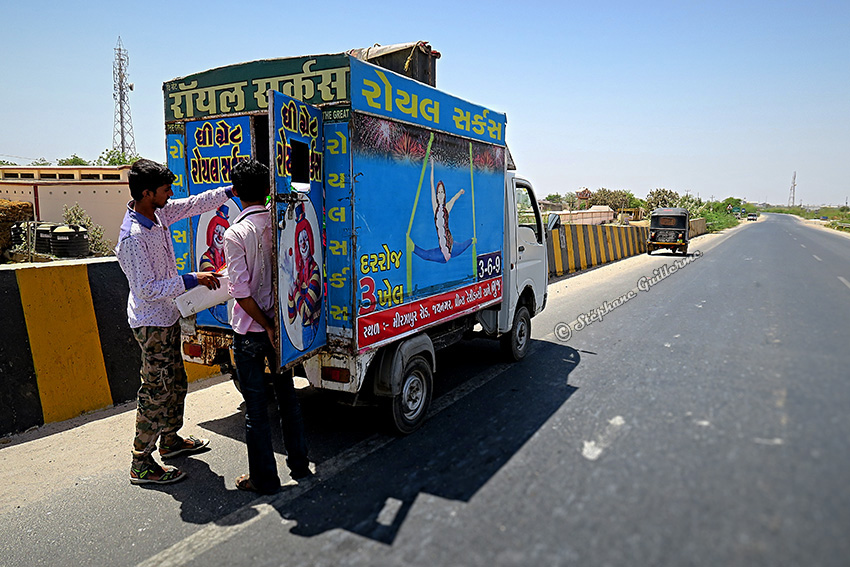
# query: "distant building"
101 190
597 214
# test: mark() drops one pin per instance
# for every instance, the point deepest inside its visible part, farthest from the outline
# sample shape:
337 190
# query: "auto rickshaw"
668 228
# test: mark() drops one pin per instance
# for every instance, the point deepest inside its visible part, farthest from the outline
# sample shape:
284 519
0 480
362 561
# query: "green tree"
694 205
4 162
114 157
41 161
570 200
73 160
661 197
616 199
99 245
554 198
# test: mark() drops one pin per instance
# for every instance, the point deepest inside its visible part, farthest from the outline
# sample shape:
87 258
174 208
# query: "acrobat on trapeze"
447 248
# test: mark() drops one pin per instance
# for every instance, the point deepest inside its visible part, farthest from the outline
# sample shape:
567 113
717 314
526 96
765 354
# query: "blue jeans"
250 352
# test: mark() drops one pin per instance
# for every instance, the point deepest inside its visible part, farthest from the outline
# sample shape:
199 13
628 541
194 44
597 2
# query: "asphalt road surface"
701 420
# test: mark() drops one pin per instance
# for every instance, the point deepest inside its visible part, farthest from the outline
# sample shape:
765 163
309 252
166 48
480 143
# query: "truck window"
261 138
672 222
300 167
528 214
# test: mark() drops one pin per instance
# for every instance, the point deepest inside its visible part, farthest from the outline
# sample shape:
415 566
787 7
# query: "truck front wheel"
516 342
410 405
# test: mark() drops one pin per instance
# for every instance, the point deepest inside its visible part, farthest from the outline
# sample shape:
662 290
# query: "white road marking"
845 282
774 441
803 245
592 450
389 512
816 258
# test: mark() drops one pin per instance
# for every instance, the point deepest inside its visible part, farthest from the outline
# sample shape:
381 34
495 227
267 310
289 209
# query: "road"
701 421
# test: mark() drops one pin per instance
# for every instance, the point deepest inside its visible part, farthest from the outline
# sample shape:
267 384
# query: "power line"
18 157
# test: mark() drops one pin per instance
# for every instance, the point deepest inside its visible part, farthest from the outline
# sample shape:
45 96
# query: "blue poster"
338 227
429 211
298 174
180 230
213 148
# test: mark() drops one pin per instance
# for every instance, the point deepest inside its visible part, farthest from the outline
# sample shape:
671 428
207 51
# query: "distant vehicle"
668 228
752 216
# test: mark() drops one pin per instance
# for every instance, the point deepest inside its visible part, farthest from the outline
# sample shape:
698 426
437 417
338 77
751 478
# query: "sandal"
155 474
191 444
243 482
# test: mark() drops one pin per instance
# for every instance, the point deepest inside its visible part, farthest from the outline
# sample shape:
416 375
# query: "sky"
717 99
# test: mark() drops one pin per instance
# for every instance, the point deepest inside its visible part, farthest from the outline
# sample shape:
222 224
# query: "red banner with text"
383 326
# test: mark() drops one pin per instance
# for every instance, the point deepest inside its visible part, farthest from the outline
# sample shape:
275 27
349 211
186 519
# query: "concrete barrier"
697 227
65 345
575 247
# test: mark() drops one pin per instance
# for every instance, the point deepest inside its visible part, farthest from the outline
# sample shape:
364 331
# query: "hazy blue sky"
715 98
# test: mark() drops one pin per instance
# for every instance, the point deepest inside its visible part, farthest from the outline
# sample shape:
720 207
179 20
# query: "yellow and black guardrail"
575 247
65 345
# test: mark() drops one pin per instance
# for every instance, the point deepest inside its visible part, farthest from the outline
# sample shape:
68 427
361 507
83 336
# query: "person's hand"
270 333
208 279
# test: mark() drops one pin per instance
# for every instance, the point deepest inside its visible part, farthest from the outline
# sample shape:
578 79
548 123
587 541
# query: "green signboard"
241 88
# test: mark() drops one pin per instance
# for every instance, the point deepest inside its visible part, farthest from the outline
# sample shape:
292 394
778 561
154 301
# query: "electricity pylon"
122 135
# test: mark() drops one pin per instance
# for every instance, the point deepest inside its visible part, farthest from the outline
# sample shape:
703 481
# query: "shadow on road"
453 455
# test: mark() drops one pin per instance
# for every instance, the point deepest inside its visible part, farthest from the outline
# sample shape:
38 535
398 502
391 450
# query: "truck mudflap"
390 362
403 376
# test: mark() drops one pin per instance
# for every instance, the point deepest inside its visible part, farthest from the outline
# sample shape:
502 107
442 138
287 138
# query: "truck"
402 226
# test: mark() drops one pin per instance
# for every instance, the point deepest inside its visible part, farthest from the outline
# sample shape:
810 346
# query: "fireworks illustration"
376 134
491 159
408 147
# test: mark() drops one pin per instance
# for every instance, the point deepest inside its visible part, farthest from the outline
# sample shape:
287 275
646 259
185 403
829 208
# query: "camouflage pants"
163 391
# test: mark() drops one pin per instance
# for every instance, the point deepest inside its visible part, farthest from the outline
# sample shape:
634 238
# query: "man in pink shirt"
248 252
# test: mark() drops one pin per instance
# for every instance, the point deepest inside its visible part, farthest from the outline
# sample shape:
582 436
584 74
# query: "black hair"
148 175
250 180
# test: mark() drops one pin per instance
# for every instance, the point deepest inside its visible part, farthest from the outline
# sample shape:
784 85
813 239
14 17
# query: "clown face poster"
296 139
213 147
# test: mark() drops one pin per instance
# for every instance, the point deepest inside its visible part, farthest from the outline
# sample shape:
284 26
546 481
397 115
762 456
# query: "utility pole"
122 134
792 197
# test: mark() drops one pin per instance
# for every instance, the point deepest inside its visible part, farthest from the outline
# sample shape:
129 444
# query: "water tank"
42 237
69 241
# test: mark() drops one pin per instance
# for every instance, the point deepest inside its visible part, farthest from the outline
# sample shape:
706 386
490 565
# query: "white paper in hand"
200 297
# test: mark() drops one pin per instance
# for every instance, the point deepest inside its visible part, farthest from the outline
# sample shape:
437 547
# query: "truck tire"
409 407
515 343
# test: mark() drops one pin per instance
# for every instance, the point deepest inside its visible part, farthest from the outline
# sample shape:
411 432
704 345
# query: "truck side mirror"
554 222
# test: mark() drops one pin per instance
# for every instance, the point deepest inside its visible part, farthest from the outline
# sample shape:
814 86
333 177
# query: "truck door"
531 244
296 147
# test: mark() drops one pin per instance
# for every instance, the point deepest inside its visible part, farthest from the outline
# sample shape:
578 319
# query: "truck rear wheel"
515 344
410 405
